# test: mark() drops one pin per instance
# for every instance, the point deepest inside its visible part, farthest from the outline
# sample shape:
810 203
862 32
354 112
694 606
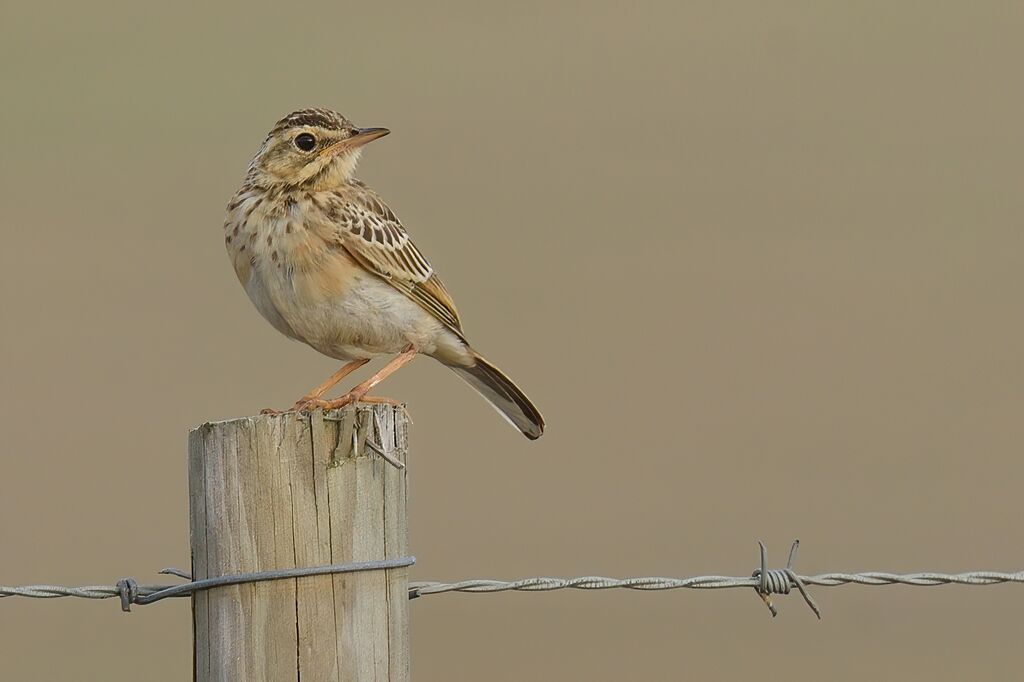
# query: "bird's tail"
503 395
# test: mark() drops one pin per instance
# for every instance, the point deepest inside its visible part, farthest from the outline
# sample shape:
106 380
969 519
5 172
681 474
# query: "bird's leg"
328 384
310 400
358 393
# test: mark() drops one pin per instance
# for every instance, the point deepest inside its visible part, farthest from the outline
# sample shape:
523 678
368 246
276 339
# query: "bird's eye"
305 142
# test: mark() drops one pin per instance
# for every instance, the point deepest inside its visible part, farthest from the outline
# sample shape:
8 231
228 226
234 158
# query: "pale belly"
367 318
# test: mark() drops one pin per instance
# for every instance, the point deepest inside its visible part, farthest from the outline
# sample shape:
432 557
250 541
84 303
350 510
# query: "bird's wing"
373 235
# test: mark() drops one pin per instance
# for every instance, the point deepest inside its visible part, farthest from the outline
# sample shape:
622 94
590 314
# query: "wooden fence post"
291 490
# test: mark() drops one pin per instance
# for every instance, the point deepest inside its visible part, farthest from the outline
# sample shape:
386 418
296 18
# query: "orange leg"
329 383
309 400
358 394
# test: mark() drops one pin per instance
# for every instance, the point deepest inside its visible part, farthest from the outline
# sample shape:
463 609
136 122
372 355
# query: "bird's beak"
362 136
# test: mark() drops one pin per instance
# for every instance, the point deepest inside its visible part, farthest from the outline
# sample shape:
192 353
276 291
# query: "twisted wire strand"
713 582
84 592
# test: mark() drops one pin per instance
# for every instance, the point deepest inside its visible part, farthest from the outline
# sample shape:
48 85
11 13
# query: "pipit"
326 262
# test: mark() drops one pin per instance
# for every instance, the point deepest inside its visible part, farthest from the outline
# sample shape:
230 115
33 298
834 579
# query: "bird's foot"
307 404
304 404
350 398
378 400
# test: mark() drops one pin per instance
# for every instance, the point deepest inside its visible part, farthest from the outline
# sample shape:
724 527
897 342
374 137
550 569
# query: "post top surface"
340 414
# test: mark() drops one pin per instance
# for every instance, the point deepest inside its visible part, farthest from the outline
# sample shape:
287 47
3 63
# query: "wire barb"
780 581
128 590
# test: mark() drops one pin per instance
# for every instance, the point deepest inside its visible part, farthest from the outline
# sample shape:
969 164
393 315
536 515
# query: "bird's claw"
311 405
307 405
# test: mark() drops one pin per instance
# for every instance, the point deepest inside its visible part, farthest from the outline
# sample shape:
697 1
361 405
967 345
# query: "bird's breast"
307 285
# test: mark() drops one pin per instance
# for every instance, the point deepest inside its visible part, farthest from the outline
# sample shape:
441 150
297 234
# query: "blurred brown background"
760 264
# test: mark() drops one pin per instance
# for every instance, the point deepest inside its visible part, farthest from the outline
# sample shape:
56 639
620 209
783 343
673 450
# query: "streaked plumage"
328 263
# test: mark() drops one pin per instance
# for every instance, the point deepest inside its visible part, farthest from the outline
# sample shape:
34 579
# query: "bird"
329 264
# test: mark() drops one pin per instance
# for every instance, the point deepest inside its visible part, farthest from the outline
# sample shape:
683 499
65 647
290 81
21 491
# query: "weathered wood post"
291 490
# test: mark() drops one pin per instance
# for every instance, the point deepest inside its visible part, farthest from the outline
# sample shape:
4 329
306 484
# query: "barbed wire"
714 582
765 582
778 581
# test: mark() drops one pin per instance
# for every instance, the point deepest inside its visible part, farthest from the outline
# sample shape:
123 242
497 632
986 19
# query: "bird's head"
311 147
